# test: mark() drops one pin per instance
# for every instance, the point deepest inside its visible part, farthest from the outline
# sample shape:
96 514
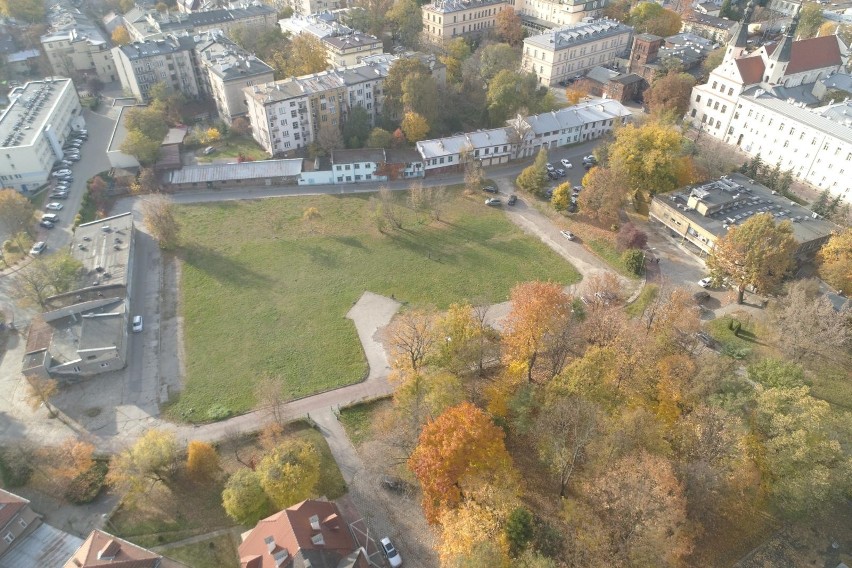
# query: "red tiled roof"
751 69
814 53
10 506
103 549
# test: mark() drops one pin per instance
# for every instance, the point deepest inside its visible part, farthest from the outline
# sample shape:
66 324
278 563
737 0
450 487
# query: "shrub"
15 468
218 412
634 260
630 237
86 487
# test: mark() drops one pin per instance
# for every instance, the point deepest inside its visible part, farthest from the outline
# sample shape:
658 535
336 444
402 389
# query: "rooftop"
578 34
103 247
449 6
103 549
375 155
316 25
69 24
316 83
825 119
30 111
90 330
10 505
452 145
45 546
711 21
575 116
228 61
356 39
247 170
150 48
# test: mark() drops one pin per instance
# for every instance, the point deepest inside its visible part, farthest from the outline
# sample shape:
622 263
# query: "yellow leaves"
464 528
120 36
836 260
202 461
415 127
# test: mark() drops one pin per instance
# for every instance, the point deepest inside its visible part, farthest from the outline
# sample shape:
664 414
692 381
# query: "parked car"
61 173
590 159
72 157
512 199
137 324
396 484
553 175
567 234
391 553
60 195
549 167
493 201
489 189
46 224
566 163
561 173
66 163
52 217
209 150
38 248
705 282
53 206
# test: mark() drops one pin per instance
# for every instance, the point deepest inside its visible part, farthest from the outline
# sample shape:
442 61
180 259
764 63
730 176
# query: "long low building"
490 147
264 172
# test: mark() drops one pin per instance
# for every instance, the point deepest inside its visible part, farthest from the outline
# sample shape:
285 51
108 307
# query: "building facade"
33 129
488 147
562 54
142 65
145 24
348 50
444 20
74 45
543 15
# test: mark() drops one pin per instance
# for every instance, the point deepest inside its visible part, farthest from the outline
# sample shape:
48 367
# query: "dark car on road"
489 189
512 199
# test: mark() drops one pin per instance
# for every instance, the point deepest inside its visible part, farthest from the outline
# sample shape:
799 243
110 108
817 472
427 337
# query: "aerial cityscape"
425 283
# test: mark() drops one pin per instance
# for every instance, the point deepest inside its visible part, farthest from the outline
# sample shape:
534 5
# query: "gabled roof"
102 549
814 53
751 69
10 506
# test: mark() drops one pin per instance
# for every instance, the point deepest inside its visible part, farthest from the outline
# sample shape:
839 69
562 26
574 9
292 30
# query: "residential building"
23 62
585 121
75 45
651 54
288 115
143 64
27 541
713 28
306 7
559 55
33 129
444 20
449 154
543 15
101 549
224 70
309 534
702 214
708 8
84 332
786 7
609 83
144 24
348 50
735 105
313 24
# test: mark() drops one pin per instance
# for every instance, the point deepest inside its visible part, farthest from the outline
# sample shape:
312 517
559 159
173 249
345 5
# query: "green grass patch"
357 419
609 253
832 384
217 552
649 294
737 347
265 293
232 148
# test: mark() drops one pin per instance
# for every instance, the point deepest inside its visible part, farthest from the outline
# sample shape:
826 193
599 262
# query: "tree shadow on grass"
321 256
353 242
221 267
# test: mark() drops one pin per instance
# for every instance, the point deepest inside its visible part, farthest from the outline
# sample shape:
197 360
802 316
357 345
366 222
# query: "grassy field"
265 293
232 148
217 552
738 347
357 420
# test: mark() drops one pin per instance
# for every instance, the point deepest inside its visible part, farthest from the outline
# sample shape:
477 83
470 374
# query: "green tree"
406 22
379 138
48 276
496 57
776 373
32 11
289 473
713 60
148 121
144 149
519 530
356 129
561 198
509 91
17 213
393 84
243 498
652 18
810 20
457 52
757 253
152 459
634 261
420 95
534 177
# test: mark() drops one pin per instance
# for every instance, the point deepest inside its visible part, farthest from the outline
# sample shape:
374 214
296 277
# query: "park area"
265 286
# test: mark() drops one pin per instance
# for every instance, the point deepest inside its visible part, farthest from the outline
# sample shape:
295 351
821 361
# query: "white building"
33 129
75 45
564 53
542 15
444 20
146 24
490 147
570 125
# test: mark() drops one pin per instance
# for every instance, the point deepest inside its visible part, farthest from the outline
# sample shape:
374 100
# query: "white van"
52 217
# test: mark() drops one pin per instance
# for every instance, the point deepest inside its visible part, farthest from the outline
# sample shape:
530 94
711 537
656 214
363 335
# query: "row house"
449 154
570 125
74 45
565 53
444 20
143 24
143 64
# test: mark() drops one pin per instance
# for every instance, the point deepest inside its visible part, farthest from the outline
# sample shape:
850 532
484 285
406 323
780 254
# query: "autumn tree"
603 194
652 18
835 259
494 58
379 138
713 60
618 10
757 253
48 276
120 36
16 213
387 210
202 461
159 217
458 453
508 26
415 127
467 337
405 20
31 11
40 390
810 20
457 52
631 237
643 510
329 138
146 182
59 465
561 198
575 93
240 126
310 216
669 95
565 428
411 339
539 325
534 178
143 148
152 459
306 55
243 498
465 529
511 90
289 473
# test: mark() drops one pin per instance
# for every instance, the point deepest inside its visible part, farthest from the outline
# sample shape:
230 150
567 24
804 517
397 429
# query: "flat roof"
97 328
306 85
578 34
375 155
103 247
30 111
451 145
356 39
247 170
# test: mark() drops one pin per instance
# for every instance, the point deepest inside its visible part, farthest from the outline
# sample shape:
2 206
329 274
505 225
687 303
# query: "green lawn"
232 148
646 296
737 347
357 419
609 253
217 552
264 293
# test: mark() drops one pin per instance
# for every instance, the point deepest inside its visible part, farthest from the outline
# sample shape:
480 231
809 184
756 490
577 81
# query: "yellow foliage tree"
415 127
465 528
836 260
649 158
202 461
289 473
120 36
575 93
210 135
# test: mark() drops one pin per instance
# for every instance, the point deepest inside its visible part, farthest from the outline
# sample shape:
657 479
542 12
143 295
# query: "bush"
630 237
634 261
218 412
15 468
86 487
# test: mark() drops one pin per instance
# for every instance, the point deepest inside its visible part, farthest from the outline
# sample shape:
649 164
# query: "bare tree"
232 443
389 208
270 396
809 324
47 276
439 199
39 391
472 170
565 430
158 213
411 337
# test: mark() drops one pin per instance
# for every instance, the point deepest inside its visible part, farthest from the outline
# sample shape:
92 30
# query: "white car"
137 324
54 206
62 173
549 167
705 282
566 163
567 234
38 248
391 553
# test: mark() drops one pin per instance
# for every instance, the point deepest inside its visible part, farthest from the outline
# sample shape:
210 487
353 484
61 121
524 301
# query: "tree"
289 473
240 126
48 276
777 373
144 149
149 121
406 22
810 20
561 198
713 60
32 11
120 36
379 138
394 83
329 138
540 318
306 55
575 93
534 177
39 391
510 90
243 498
634 261
387 210
152 459
415 127
369 16
420 95
411 339
356 129
159 218
603 193
457 453
519 530
146 182
16 212
652 18
810 325
420 398
465 530
757 253
496 57
60 465
209 135
94 85
835 259
670 95
566 427
310 216
202 461
618 10
457 51
269 395
643 510
508 26
843 31
630 237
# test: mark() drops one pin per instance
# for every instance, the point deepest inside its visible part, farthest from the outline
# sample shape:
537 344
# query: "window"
9 538
698 98
730 92
715 84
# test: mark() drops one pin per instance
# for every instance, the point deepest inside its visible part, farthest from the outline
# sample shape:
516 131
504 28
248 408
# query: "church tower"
780 58
739 35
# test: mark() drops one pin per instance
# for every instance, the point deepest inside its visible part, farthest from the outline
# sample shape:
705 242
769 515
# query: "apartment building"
75 45
444 20
543 15
347 50
144 24
317 25
306 7
448 154
143 64
224 70
33 129
559 55
288 115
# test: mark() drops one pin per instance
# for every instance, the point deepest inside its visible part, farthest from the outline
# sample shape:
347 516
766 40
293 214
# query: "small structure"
265 172
27 541
101 549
